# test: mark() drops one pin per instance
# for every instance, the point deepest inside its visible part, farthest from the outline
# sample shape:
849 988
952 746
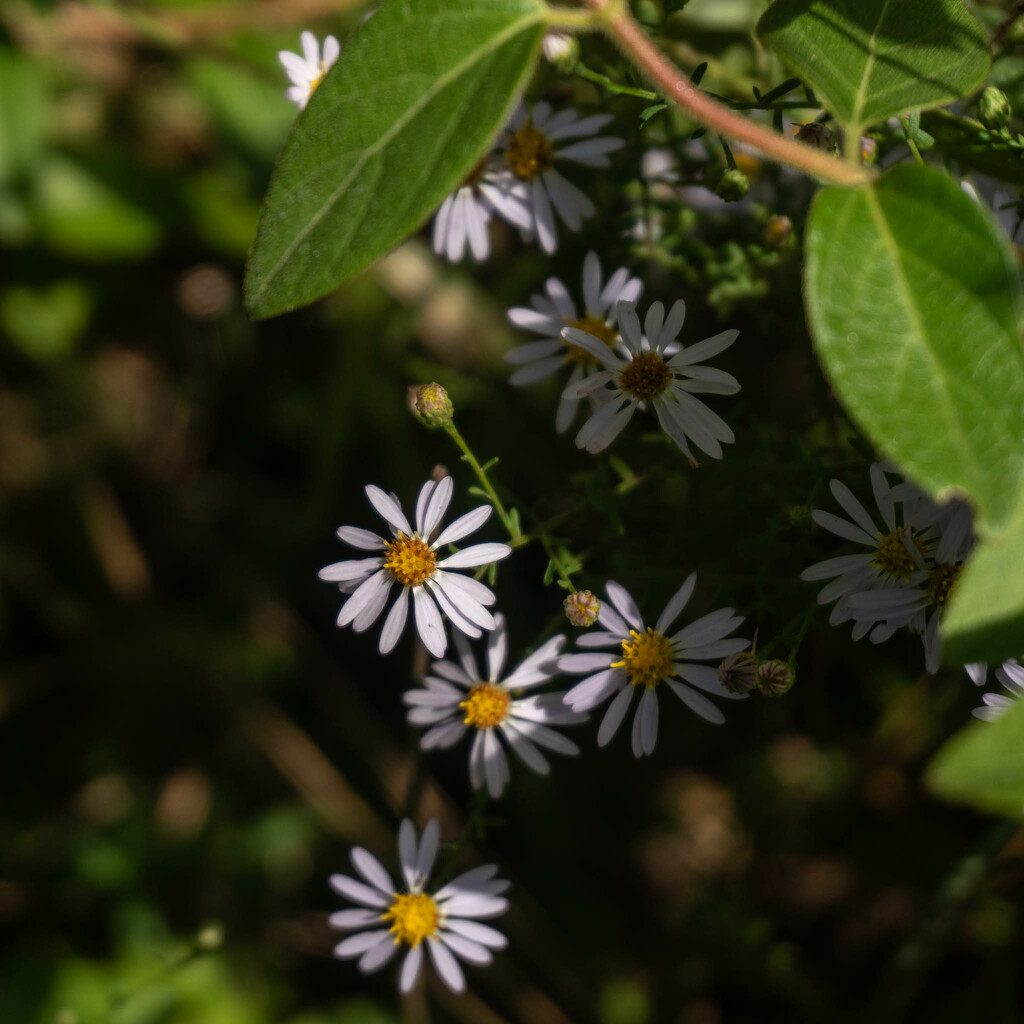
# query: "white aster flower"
547 315
644 657
308 71
1011 675
894 556
446 922
648 373
464 217
412 559
920 608
530 148
457 700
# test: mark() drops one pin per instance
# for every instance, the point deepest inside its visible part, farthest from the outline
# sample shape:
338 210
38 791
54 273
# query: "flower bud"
732 186
818 135
778 230
868 150
994 108
738 672
561 49
774 678
581 608
431 405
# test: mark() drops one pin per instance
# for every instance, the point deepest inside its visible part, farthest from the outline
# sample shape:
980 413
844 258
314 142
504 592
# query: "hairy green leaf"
870 59
983 765
399 121
913 300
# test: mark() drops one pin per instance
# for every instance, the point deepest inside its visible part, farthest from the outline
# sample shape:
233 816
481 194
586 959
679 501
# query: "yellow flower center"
414 917
646 377
410 560
315 84
892 556
647 658
593 325
486 706
942 581
529 152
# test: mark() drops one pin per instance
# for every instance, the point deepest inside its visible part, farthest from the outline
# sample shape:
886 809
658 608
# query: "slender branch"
630 37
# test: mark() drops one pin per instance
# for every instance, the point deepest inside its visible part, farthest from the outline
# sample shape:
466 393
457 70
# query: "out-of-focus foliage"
187 744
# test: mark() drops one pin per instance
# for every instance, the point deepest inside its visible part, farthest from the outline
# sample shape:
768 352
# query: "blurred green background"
188 746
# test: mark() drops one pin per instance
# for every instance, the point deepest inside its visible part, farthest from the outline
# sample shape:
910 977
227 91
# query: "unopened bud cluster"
431 405
581 608
743 672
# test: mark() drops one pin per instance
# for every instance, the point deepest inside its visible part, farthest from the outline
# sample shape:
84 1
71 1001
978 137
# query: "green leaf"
913 299
413 102
985 621
23 114
983 765
870 59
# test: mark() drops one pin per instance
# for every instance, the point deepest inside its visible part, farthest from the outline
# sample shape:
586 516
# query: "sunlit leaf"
870 59
398 122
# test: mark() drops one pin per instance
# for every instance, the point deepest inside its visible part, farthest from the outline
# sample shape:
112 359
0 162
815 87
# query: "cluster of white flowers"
615 366
904 576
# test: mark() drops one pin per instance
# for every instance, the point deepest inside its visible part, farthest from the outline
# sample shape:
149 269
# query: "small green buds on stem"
774 678
994 108
431 405
732 186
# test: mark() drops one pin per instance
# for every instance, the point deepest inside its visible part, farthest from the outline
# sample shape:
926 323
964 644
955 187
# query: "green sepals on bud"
994 108
581 608
431 405
774 678
778 231
738 672
732 186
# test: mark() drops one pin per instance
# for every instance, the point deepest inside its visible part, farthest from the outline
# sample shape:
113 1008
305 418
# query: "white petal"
374 959
349 919
535 350
614 716
411 968
436 506
357 892
497 649
572 205
463 526
707 628
831 567
477 554
446 965
428 622
495 764
466 949
705 349
429 840
388 509
676 603
530 755
407 849
543 218
852 507
841 528
353 569
696 702
624 604
355 537
647 714
595 689
579 663
481 933
357 945
371 869
394 623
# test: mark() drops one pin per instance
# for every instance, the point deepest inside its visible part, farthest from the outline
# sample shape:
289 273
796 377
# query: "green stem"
514 533
582 71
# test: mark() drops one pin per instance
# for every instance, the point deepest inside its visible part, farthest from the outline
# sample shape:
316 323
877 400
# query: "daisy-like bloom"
531 146
547 315
894 555
465 216
647 373
457 700
1011 675
920 608
446 922
414 560
643 657
308 71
